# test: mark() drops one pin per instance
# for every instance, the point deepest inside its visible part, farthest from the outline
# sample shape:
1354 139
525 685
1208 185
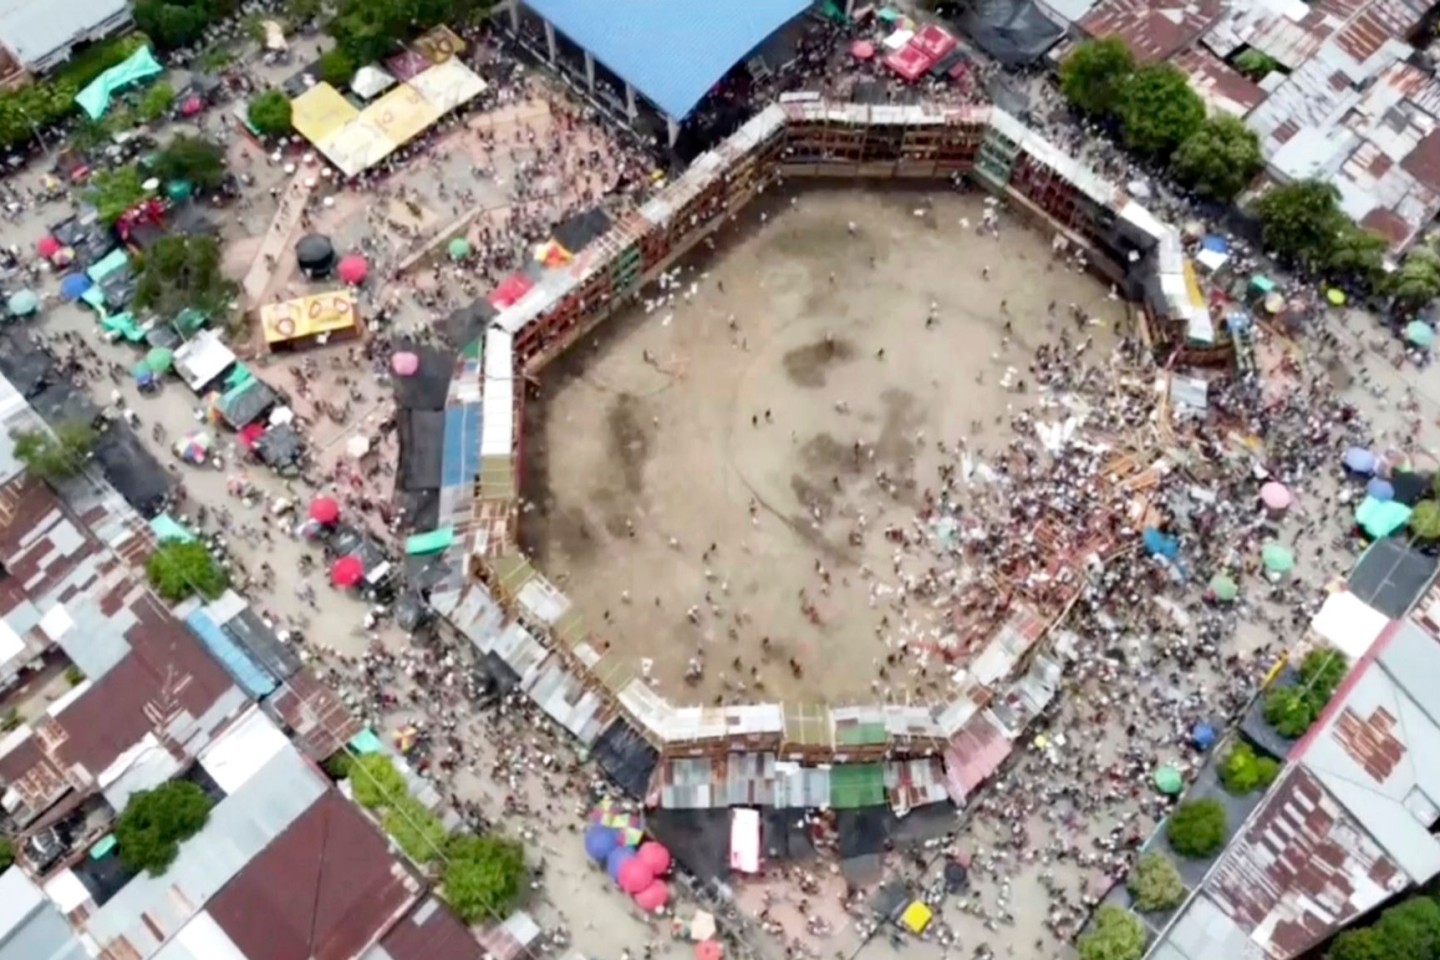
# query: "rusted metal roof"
430 932
325 889
974 754
1302 868
1218 84
1154 30
30 781
320 722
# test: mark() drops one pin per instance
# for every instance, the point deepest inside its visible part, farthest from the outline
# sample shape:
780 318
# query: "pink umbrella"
325 510
352 269
655 856
405 364
709 950
347 572
634 875
862 50
48 246
1276 496
653 898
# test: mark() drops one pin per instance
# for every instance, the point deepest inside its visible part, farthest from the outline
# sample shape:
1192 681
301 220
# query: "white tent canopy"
370 81
1348 624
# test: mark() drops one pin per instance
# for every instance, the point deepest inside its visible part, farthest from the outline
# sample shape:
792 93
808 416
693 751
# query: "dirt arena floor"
732 415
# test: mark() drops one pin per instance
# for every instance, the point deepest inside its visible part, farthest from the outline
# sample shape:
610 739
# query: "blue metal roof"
670 51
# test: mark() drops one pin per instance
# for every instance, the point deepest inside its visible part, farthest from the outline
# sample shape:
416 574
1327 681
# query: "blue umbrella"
74 285
1203 736
600 841
1380 489
1157 544
1360 460
617 859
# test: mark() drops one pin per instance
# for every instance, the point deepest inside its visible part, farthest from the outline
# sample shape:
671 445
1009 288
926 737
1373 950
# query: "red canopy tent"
324 510
347 572
511 289
935 41
251 434
910 62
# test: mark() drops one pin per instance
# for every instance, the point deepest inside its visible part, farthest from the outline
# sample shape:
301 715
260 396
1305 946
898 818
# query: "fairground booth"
358 128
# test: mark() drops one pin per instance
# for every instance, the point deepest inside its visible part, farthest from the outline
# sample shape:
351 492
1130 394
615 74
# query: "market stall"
311 320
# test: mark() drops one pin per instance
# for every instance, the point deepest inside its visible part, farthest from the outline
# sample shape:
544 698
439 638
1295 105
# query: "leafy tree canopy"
115 191
336 68
1116 934
418 831
7 853
182 272
1408 930
1417 282
376 782
270 113
1243 770
156 102
1220 159
1197 828
1155 883
155 822
196 159
484 876
1093 76
1157 110
1300 221
178 570
1255 65
1425 521
174 24
53 456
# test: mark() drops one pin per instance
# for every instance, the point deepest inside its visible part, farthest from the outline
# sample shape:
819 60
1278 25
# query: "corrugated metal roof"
320 721
430 932
672 54
562 695
30 926
798 787
37 29
201 939
974 754
1153 30
915 783
855 785
1201 932
325 889
149 909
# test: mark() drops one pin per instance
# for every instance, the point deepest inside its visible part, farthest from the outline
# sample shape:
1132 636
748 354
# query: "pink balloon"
654 897
655 855
635 875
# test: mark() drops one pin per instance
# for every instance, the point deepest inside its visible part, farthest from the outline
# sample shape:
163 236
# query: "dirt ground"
749 406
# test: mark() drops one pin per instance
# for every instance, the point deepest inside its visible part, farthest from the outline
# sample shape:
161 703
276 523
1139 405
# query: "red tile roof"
325 889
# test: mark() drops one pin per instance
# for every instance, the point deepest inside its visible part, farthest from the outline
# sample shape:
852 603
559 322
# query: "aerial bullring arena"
787 341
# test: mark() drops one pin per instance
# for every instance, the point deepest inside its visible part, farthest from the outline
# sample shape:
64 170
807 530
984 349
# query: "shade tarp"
1348 624
116 259
910 63
22 303
432 541
448 85
510 290
370 81
1380 518
166 527
95 99
202 359
319 112
356 147
745 840
400 115
309 316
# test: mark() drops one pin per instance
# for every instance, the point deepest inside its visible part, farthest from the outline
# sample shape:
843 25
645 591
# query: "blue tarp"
460 456
672 53
1215 244
245 671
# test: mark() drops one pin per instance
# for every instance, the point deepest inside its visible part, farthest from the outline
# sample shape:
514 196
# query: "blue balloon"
617 859
600 841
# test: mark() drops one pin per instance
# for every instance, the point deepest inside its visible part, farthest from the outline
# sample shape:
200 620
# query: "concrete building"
40 35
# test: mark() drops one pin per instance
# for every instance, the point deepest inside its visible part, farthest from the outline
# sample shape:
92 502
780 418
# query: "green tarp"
115 260
1380 518
857 785
104 846
94 298
123 324
432 542
238 377
366 742
1262 284
166 527
95 99
190 321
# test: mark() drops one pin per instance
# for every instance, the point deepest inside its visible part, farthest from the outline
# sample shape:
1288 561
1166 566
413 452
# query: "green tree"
156 102
1287 709
1358 256
1364 944
154 823
336 68
1425 521
1093 76
1256 65
1197 828
270 113
418 831
1417 282
1219 159
55 455
182 272
1157 110
1322 670
1115 934
483 876
178 570
376 782
1155 883
196 159
172 25
7 853
1243 770
115 191
1300 221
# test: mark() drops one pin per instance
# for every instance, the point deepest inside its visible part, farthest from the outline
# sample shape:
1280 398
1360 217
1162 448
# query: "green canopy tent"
124 325
115 260
1380 518
1277 558
139 66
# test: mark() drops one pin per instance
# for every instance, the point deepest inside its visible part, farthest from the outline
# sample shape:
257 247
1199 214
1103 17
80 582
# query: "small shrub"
376 782
1155 883
1197 829
74 675
1242 770
1117 934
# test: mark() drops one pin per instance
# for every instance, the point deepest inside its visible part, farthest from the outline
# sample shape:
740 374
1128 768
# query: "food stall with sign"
310 321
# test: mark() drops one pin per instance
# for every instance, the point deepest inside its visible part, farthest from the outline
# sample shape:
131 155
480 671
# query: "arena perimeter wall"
538 633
